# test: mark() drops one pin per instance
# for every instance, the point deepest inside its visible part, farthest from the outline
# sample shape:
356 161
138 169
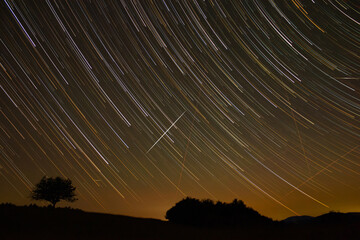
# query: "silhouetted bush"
197 212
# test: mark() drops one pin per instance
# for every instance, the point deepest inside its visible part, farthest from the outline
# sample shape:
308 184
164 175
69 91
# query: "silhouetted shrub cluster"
197 212
7 206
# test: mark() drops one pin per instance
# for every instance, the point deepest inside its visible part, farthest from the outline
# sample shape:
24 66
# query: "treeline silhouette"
191 211
10 206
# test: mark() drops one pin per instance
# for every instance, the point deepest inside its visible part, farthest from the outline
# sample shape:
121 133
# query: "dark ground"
31 222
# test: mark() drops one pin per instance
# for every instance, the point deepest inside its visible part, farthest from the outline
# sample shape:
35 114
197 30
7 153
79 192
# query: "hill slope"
47 223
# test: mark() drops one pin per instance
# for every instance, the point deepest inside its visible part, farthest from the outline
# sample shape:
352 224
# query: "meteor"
165 132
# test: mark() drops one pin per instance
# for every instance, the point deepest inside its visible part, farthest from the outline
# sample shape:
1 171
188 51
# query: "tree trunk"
53 204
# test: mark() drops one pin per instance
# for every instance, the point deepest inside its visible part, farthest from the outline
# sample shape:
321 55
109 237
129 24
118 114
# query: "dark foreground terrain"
32 222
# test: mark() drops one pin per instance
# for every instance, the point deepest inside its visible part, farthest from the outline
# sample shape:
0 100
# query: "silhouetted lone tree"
54 190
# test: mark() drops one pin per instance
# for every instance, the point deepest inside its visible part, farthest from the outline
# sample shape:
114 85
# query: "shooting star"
165 132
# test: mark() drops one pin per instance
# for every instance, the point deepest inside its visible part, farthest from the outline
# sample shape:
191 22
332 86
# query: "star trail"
142 103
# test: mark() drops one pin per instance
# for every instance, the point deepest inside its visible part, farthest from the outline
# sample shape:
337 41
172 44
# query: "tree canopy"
54 190
207 213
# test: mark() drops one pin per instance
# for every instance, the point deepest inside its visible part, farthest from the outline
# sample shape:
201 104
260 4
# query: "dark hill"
32 222
298 219
339 218
327 219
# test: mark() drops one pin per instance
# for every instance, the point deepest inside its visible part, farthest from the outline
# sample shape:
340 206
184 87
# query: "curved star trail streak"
270 90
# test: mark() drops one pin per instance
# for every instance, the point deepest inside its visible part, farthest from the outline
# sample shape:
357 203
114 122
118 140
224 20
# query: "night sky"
142 103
